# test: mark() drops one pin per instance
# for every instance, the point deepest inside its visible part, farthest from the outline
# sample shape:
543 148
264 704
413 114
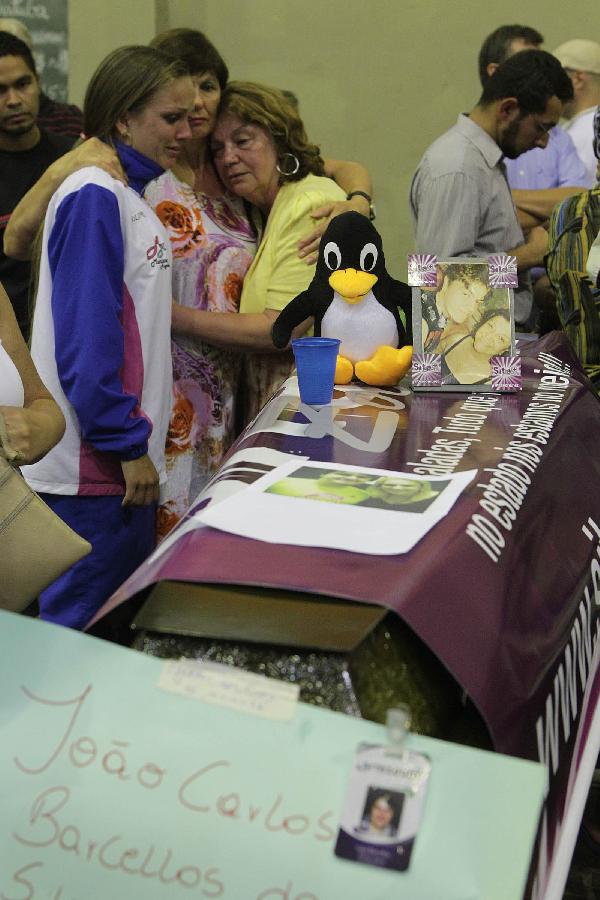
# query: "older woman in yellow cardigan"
262 155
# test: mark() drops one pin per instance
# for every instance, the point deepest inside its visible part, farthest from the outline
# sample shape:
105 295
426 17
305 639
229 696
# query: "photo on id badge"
383 807
381 813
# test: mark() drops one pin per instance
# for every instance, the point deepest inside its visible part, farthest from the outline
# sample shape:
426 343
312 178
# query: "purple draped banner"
505 589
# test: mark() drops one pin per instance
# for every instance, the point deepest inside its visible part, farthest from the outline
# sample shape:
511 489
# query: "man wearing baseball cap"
581 60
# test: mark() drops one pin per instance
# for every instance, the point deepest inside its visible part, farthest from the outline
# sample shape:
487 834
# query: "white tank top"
11 386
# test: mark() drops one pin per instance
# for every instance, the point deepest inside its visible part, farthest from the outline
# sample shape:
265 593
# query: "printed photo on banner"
363 510
240 470
391 492
463 328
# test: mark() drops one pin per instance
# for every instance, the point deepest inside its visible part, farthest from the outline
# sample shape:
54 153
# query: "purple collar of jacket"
138 168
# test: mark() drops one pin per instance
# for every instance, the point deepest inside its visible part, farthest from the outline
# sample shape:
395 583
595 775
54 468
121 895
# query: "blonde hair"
125 82
268 107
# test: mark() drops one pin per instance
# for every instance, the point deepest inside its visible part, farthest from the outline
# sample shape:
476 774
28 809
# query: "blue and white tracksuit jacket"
101 329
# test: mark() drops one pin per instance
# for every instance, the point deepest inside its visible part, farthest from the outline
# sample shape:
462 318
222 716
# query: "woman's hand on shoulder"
308 247
91 152
29 213
141 481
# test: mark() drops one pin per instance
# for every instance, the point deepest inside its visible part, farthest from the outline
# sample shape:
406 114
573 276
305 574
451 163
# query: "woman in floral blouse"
213 246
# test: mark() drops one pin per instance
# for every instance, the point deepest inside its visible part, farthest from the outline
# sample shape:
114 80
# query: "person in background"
31 417
460 199
101 330
25 153
541 177
263 156
573 236
59 118
581 61
593 260
27 216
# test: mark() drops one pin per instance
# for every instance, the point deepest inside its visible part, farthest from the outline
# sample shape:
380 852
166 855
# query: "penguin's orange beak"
351 284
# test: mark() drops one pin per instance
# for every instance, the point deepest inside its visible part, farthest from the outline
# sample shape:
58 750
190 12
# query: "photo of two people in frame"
464 320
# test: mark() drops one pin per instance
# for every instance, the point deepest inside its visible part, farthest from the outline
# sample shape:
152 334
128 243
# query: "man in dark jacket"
26 151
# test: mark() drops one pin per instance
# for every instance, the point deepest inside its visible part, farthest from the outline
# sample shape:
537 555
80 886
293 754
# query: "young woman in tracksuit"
101 332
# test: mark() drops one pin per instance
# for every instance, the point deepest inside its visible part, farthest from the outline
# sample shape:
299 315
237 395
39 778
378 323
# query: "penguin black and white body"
353 298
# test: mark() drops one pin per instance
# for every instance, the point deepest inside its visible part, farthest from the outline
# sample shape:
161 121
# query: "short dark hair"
491 314
532 77
496 47
195 50
13 46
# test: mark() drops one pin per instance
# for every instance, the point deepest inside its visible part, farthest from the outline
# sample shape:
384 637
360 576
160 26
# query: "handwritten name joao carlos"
66 760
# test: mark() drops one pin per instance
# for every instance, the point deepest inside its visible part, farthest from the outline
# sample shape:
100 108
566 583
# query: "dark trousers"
121 539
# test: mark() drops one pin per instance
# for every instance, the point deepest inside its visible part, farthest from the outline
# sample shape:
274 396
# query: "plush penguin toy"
353 298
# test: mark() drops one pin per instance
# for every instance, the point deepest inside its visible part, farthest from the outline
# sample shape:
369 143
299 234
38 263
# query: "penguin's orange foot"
344 370
386 367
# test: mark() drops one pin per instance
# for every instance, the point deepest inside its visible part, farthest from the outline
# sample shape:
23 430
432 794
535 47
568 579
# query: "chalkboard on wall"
48 23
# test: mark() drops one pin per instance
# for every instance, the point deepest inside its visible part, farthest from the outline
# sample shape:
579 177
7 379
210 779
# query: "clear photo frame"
464 324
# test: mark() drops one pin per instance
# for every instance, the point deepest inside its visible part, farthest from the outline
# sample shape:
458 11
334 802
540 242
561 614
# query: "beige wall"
377 81
97 28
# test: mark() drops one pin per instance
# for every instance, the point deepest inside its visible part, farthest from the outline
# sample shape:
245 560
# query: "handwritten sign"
111 787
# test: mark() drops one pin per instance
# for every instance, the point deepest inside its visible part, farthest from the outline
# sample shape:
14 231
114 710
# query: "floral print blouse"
213 245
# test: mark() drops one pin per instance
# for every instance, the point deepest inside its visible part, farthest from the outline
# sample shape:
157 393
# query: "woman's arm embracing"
38 425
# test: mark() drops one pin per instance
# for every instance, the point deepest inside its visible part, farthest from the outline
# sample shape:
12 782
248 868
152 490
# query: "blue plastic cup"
315 367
